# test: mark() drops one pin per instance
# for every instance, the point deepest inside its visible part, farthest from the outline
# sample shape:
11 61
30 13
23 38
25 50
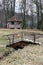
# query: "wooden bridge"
24 36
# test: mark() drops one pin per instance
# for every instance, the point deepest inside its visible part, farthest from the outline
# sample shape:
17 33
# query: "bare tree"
31 9
8 9
4 11
23 10
14 6
39 13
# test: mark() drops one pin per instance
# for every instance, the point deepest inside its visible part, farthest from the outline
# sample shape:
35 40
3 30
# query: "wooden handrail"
29 33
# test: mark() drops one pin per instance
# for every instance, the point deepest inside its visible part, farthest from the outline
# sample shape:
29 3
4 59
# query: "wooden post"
34 38
9 40
21 36
13 39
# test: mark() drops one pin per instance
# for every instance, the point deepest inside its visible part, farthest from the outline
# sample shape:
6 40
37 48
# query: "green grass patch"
3 40
4 49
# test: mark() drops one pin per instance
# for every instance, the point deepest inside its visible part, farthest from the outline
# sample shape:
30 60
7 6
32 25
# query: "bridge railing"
23 36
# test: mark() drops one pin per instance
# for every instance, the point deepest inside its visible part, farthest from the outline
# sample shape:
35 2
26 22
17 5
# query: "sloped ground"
29 55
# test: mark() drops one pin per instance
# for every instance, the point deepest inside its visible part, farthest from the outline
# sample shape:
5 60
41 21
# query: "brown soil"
20 44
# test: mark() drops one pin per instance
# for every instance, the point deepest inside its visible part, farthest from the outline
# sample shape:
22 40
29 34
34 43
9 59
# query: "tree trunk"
14 7
24 18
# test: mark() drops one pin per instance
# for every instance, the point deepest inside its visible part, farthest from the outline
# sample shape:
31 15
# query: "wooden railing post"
9 40
21 36
34 38
13 38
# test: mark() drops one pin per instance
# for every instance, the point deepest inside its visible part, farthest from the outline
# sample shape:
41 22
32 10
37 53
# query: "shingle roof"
15 19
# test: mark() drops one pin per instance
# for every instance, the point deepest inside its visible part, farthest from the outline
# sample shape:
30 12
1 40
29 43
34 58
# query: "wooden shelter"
14 22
